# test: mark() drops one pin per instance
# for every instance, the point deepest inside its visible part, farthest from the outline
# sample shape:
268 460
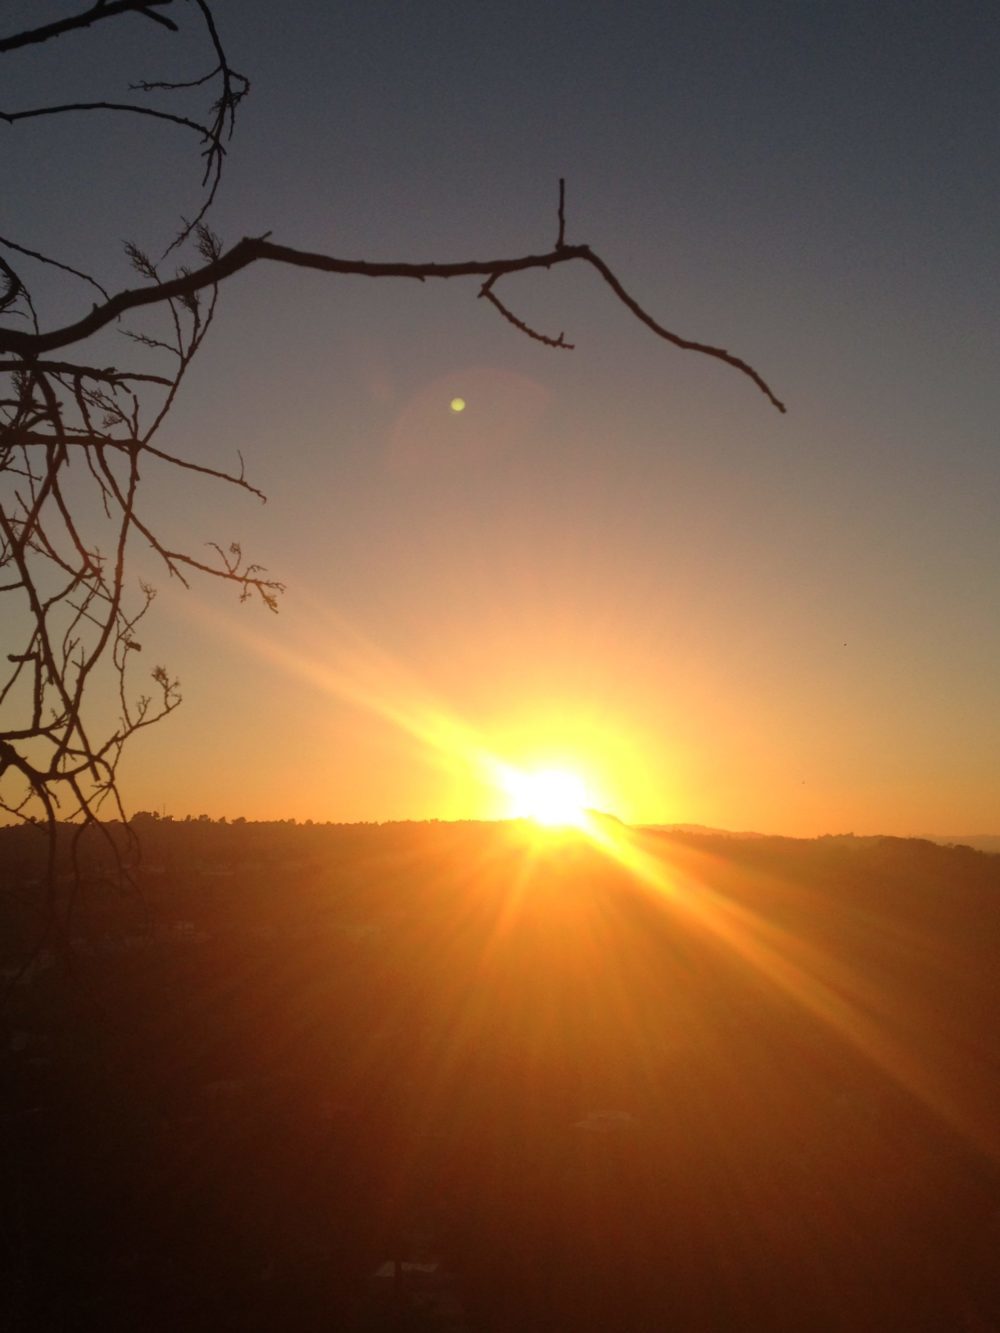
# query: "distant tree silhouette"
76 432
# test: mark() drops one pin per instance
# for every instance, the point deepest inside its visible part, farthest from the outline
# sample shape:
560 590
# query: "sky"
618 559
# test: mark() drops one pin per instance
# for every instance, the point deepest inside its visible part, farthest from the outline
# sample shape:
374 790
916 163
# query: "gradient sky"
621 558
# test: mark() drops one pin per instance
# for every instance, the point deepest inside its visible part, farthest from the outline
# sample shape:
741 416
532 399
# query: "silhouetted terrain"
720 1083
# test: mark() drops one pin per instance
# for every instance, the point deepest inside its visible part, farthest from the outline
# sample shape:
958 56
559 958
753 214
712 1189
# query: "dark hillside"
716 1084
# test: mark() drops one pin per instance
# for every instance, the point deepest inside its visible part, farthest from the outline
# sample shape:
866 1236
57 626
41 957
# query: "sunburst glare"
553 797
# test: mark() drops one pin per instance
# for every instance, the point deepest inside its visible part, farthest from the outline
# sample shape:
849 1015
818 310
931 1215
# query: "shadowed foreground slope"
712 1083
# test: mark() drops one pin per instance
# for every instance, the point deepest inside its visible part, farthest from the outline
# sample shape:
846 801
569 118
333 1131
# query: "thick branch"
104 9
250 250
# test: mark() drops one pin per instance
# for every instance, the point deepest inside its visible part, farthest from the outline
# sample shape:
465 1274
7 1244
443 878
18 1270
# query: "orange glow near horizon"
501 772
557 804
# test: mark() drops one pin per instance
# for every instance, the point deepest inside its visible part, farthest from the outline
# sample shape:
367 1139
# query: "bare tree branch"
11 117
109 9
253 250
55 263
486 290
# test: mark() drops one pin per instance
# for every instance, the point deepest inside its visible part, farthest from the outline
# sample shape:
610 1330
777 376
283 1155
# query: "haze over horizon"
618 561
979 841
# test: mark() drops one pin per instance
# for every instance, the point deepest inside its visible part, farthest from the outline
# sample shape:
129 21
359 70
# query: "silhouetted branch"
55 263
12 286
11 117
487 291
102 10
253 250
719 353
110 374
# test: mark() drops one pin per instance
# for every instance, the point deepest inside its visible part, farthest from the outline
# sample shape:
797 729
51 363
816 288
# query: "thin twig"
55 263
491 296
129 107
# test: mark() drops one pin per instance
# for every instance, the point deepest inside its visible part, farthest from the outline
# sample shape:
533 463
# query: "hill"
459 1076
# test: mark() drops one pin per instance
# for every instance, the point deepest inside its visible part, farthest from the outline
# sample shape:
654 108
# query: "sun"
552 797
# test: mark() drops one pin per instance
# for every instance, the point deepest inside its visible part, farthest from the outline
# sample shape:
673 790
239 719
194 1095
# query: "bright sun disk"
552 797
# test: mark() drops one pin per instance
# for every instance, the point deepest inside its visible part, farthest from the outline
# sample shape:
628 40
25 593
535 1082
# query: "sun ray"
555 802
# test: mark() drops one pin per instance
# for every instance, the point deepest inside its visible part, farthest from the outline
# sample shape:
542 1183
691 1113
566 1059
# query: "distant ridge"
981 842
704 829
